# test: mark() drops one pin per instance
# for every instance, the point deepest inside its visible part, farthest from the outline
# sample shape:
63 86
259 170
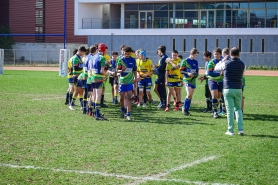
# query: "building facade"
181 25
39 16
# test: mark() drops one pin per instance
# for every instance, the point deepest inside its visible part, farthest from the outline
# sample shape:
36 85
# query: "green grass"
37 129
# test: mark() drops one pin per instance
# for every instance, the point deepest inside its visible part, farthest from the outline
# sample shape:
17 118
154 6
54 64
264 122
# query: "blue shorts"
156 81
90 87
70 80
74 78
98 85
214 85
85 83
80 84
147 83
125 87
193 86
174 84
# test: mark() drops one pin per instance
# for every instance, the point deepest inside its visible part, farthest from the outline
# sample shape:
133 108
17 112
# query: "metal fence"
31 57
17 57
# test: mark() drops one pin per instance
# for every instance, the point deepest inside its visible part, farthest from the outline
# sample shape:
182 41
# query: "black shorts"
113 80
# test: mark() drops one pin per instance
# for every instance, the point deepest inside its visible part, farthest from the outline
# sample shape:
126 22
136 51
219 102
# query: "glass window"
223 18
272 5
161 6
146 6
176 19
223 6
191 19
207 6
271 18
257 5
178 6
257 18
131 19
239 19
191 6
160 19
131 6
238 5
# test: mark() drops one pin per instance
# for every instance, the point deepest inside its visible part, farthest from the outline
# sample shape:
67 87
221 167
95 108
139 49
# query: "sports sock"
102 99
188 103
215 104
67 96
73 100
81 101
70 96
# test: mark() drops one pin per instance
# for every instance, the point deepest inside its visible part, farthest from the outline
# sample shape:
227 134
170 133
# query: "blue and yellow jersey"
77 65
70 69
94 68
174 74
144 67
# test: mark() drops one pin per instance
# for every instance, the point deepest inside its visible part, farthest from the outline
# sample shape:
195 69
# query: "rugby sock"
220 106
67 97
184 103
73 100
116 98
188 103
70 96
122 109
223 104
81 101
209 106
215 104
128 114
97 109
85 104
102 99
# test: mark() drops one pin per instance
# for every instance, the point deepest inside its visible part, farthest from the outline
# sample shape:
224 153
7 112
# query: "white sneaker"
144 105
229 133
241 132
128 118
71 107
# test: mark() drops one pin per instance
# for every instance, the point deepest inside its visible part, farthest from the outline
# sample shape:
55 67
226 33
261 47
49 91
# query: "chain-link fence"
51 58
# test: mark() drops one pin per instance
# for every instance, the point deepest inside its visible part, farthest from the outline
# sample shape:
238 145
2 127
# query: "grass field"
43 142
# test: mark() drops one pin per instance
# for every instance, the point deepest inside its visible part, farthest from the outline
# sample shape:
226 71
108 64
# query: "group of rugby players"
130 76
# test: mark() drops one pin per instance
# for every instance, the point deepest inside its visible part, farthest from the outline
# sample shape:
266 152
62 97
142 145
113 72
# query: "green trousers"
233 99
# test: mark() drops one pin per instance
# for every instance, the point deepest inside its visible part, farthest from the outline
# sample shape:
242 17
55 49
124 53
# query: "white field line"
137 179
163 174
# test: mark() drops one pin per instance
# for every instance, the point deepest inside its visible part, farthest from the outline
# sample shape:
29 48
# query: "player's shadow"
264 117
263 136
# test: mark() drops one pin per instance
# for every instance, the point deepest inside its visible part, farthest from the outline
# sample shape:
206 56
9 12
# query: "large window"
253 14
40 20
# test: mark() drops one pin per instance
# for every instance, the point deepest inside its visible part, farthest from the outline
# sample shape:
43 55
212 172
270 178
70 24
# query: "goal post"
1 61
63 62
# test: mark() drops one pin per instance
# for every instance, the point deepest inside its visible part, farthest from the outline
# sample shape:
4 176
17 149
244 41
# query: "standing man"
160 72
77 68
233 70
96 77
128 71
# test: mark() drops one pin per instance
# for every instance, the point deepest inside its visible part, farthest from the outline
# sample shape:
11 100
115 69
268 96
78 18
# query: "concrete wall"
150 44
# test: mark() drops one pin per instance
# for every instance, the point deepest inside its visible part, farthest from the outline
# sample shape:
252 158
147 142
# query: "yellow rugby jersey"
133 55
174 75
144 67
107 57
70 68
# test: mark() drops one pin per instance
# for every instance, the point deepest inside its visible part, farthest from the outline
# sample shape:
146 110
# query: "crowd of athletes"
130 75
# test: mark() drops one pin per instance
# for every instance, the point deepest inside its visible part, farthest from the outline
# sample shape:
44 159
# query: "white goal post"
63 62
1 61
